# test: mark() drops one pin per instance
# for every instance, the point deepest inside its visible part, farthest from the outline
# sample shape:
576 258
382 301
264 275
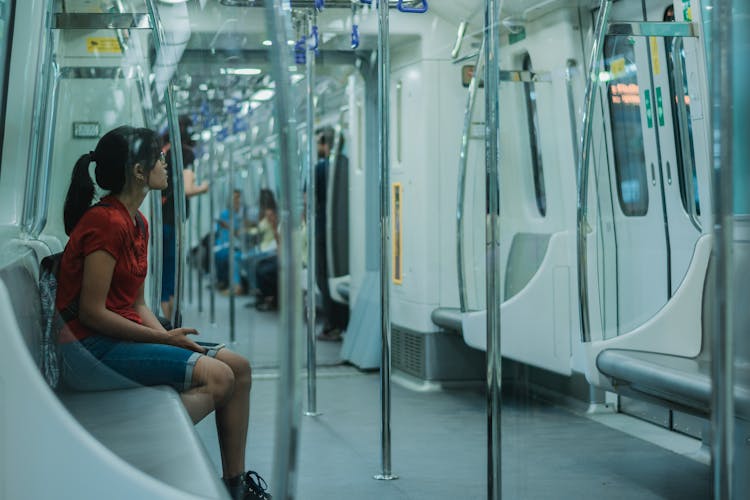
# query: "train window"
683 126
627 134
536 150
6 35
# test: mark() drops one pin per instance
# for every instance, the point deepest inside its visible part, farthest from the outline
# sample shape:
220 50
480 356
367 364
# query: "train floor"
439 444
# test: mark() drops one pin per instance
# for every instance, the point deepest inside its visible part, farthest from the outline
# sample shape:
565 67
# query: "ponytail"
80 193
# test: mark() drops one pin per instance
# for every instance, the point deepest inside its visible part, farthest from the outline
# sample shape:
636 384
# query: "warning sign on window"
103 45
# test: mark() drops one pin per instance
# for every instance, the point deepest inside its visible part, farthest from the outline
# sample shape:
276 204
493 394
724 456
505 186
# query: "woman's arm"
98 269
191 188
147 316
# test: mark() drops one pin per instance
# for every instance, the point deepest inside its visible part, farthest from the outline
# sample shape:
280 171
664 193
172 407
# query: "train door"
654 235
676 149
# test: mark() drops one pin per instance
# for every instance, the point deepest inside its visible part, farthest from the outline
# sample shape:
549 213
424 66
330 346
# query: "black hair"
326 136
115 155
267 200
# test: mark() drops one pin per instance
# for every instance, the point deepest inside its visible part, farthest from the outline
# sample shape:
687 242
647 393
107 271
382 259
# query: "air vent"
408 352
238 3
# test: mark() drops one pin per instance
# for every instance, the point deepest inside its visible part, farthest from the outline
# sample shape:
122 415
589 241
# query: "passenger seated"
222 251
111 339
265 232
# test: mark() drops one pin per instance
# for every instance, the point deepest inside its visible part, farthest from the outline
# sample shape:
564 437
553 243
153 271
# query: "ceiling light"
203 87
240 71
296 78
267 43
173 1
263 95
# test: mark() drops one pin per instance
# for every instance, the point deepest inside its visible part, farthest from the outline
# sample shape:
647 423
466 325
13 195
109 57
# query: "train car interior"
469 248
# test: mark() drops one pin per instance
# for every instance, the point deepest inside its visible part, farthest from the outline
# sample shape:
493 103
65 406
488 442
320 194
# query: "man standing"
335 315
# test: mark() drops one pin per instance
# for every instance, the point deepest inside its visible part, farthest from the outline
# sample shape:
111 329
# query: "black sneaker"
247 486
255 486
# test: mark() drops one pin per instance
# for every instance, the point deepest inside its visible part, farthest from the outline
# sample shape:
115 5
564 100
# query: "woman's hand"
179 338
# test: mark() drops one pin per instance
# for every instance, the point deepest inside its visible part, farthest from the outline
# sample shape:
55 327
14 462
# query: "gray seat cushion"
677 380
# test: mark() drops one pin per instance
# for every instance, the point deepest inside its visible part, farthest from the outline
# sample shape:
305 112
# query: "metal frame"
92 21
289 398
494 282
384 119
722 349
312 393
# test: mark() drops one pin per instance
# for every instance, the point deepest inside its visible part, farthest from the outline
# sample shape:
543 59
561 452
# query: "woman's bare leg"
213 384
232 417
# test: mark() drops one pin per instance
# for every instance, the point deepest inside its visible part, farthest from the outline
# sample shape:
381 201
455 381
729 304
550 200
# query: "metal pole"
583 166
212 232
289 396
384 75
312 395
155 242
199 234
189 239
494 300
722 359
232 220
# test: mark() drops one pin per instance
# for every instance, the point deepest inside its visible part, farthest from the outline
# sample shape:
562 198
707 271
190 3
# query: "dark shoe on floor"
330 335
267 304
248 486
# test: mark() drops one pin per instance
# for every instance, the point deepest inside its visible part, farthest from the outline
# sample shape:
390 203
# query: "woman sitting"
111 339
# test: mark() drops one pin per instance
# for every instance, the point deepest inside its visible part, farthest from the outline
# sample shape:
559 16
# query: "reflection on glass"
625 114
682 130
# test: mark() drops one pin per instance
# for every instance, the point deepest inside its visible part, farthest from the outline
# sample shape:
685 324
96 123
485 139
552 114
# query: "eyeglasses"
163 157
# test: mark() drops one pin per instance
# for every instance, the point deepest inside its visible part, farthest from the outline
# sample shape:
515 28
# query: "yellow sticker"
104 45
617 67
397 235
655 56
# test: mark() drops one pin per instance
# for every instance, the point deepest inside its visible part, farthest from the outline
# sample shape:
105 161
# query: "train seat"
683 382
146 427
686 382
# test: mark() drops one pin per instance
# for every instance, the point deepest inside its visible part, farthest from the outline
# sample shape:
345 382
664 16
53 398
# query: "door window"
624 99
536 150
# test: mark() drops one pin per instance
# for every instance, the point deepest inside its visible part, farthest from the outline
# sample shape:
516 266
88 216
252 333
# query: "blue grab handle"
412 10
320 4
300 52
366 2
315 38
355 36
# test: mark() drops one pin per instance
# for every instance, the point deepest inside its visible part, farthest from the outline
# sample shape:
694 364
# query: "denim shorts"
100 363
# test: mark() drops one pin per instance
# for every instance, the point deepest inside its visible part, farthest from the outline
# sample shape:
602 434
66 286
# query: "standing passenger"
111 339
167 210
335 315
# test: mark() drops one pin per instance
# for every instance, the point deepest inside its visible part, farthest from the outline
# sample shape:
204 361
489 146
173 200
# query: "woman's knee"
240 367
217 377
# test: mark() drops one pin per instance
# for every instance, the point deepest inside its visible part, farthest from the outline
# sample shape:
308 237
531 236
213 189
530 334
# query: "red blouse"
106 226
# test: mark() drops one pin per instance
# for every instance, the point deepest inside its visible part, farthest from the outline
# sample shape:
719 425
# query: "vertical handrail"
199 234
722 359
212 232
312 394
178 185
463 159
156 249
570 71
584 158
384 92
493 284
289 397
231 262
34 214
